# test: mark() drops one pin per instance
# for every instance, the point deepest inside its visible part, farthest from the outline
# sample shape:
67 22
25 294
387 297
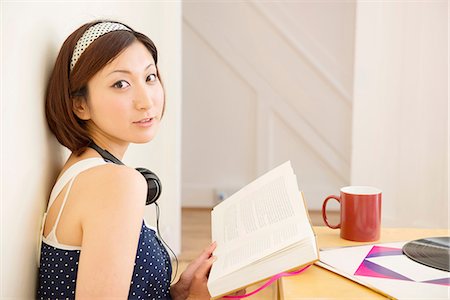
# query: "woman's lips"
145 122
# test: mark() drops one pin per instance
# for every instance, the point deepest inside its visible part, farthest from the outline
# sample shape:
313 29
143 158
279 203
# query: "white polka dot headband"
90 35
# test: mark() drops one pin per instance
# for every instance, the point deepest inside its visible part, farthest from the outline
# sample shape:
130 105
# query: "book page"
265 216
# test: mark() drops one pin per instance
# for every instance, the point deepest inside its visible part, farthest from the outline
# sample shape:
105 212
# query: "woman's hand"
199 289
238 293
193 280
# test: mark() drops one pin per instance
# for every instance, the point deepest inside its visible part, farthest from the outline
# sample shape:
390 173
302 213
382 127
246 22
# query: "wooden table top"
317 282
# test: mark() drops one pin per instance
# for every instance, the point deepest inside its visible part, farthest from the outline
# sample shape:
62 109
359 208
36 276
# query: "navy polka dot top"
59 263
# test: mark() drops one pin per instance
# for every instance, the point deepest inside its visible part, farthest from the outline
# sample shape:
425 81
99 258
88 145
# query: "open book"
261 230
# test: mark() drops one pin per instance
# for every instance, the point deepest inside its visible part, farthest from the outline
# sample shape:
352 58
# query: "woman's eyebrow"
127 71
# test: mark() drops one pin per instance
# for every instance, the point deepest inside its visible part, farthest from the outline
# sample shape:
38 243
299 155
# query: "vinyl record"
433 252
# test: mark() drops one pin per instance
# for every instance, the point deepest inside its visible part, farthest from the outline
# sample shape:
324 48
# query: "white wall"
400 115
265 82
270 81
32 33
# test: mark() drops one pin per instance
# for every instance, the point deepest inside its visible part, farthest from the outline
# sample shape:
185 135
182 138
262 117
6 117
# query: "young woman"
104 93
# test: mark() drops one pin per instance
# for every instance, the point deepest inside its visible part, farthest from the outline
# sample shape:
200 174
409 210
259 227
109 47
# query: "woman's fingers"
203 270
206 253
240 292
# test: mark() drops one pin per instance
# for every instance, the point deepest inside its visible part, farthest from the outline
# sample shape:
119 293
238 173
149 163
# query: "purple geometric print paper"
371 269
442 281
383 251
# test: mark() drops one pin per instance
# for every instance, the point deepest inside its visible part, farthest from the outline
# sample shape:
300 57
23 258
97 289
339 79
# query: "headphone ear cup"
153 185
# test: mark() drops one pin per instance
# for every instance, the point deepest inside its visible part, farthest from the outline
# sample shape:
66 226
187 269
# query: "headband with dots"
90 35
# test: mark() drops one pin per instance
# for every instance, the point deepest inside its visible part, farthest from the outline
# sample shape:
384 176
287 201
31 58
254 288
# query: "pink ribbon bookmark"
269 282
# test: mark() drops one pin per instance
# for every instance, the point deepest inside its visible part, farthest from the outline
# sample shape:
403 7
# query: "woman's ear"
80 108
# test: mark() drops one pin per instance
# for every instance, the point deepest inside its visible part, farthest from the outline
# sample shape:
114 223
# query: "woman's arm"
115 200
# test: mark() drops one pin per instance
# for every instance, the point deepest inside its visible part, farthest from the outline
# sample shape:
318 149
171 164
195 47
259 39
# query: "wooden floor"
196 235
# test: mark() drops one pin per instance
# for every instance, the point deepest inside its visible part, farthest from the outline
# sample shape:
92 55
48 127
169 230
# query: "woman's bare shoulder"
111 187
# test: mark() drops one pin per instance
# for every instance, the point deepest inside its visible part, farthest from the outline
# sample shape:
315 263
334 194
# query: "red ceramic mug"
360 213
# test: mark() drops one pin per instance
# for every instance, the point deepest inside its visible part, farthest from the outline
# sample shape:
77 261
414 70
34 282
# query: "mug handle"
324 211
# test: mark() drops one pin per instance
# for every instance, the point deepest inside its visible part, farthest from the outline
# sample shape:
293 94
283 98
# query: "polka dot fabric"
151 275
57 273
90 35
152 269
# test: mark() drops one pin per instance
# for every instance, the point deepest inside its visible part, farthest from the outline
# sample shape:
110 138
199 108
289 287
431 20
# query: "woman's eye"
151 77
121 84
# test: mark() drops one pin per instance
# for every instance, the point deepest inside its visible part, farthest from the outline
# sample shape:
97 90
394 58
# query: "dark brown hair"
64 85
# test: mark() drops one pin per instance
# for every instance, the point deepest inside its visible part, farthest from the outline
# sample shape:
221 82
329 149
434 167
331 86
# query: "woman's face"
125 99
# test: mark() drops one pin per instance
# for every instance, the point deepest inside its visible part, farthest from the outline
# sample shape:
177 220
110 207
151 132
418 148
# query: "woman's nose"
143 98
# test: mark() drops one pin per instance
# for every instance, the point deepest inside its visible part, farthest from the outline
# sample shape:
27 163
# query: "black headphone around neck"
153 182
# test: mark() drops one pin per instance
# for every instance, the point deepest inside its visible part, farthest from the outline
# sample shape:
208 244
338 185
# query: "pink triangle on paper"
384 251
370 269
